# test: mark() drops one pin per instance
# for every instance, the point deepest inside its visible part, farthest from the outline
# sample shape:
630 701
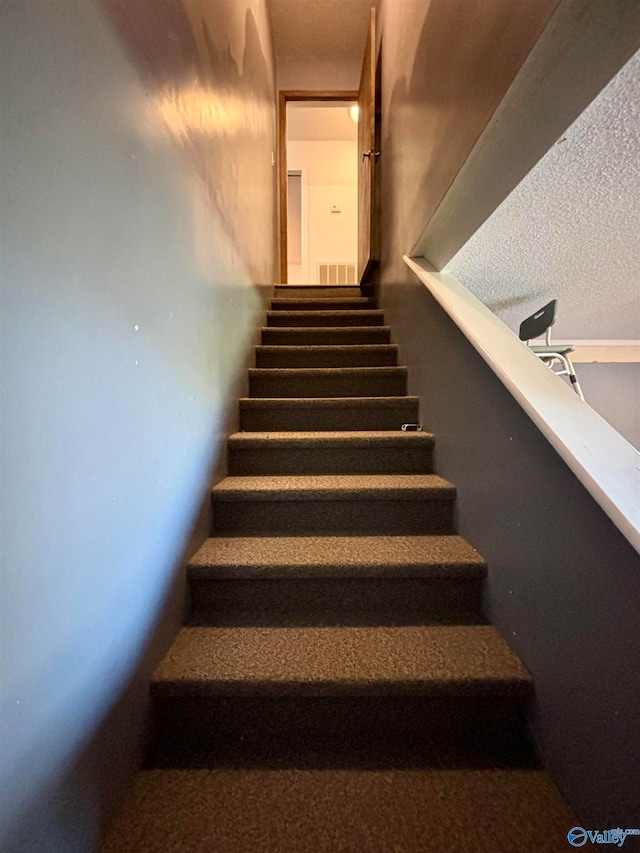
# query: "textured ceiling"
571 229
319 29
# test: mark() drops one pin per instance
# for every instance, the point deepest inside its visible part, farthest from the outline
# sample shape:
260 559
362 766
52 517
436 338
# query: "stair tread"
356 312
318 330
324 302
326 487
327 414
336 556
390 370
347 348
326 355
326 335
330 382
433 660
311 811
380 438
328 402
314 318
339 348
309 287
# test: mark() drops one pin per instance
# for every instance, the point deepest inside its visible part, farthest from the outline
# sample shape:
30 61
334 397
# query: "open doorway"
319 188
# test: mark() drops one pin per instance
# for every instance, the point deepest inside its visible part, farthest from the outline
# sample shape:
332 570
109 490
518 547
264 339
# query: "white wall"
129 251
330 170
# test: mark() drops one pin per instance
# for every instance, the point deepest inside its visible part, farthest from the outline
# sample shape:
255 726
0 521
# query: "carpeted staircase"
337 687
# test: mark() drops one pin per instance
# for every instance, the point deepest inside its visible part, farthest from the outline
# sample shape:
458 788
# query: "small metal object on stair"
411 427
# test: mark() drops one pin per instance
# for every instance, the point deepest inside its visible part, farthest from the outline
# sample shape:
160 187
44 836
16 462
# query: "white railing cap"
604 462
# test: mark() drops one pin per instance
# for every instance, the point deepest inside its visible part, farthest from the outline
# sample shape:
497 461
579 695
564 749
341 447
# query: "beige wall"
137 218
319 74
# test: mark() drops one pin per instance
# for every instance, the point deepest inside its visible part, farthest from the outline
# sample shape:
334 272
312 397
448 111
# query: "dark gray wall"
137 223
564 584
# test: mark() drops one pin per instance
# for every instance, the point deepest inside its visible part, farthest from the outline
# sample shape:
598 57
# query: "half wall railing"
604 462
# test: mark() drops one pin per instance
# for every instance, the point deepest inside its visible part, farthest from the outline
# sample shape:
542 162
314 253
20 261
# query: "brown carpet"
339 690
300 811
434 660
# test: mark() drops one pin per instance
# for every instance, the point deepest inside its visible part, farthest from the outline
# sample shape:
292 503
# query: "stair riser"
347 356
367 732
285 384
324 318
326 336
358 517
336 601
305 419
357 460
323 304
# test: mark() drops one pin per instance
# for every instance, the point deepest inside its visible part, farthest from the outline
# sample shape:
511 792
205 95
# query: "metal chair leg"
574 379
568 370
571 373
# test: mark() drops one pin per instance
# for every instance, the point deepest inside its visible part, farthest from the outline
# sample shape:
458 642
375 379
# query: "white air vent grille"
334 273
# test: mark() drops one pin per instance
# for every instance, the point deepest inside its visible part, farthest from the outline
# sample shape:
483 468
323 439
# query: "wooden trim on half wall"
295 95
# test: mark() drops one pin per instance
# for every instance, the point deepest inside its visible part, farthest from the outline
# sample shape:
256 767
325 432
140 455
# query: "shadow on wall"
514 301
68 814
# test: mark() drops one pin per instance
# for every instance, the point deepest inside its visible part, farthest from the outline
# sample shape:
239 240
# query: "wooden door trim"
296 95
367 145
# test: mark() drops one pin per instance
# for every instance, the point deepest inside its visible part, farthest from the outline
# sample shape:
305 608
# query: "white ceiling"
319 29
571 228
306 122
